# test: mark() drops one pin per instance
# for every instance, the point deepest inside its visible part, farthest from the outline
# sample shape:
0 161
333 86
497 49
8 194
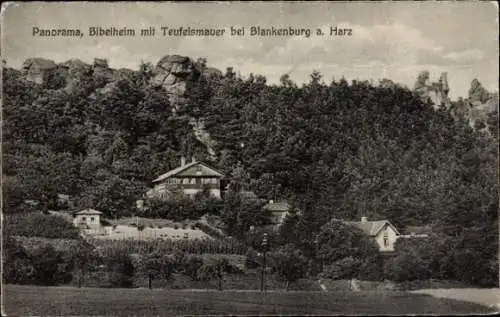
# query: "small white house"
384 233
88 219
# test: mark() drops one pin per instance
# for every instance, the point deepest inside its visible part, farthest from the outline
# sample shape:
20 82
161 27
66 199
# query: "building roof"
89 212
371 228
277 207
180 169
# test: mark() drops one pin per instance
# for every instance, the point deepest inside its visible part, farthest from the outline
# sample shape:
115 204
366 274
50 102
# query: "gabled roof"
371 228
180 169
89 212
278 206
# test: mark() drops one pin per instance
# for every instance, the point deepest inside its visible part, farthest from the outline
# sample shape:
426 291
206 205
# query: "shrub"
416 259
214 233
105 222
176 227
121 268
344 250
39 225
289 264
140 227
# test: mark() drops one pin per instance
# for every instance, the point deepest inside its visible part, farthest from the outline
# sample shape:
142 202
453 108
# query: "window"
84 218
91 219
386 239
185 180
198 168
193 181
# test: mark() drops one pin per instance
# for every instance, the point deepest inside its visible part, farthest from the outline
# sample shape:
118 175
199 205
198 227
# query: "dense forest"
333 149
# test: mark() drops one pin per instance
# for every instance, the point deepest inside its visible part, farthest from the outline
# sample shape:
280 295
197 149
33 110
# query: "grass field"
65 301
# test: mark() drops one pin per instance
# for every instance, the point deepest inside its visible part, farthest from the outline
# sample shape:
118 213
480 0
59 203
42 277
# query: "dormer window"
386 239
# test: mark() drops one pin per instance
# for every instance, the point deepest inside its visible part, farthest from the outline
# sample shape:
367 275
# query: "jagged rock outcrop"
101 69
73 70
481 103
38 69
173 72
477 108
437 92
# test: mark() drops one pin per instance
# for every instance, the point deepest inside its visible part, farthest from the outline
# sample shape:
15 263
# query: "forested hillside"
334 149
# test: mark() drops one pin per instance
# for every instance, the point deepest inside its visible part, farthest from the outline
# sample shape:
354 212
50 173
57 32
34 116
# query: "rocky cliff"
475 109
479 105
437 92
38 70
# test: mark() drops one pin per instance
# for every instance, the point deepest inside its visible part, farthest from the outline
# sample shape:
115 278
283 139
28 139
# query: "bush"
345 251
121 268
105 222
140 227
176 227
416 259
289 264
214 233
39 225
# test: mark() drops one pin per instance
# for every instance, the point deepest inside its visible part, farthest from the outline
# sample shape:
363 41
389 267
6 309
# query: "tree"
120 267
342 249
156 266
217 269
17 267
289 263
191 265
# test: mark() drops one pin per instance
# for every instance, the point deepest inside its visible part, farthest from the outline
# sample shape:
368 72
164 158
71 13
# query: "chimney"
271 201
183 160
193 159
364 219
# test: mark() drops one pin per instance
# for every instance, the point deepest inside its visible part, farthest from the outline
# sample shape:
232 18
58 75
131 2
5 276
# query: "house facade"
190 178
88 219
382 231
278 210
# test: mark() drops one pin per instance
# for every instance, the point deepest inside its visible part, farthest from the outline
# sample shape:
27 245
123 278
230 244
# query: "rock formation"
173 72
436 92
73 70
38 70
102 70
481 103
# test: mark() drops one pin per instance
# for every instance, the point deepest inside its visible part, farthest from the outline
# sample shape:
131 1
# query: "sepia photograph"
272 158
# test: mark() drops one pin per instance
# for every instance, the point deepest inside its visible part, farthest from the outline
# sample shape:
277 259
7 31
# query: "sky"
389 40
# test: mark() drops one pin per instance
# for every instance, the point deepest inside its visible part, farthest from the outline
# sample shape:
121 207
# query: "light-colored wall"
88 220
159 192
194 191
392 237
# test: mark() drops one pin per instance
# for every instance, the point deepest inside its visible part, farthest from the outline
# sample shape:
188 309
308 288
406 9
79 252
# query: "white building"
384 233
88 219
190 178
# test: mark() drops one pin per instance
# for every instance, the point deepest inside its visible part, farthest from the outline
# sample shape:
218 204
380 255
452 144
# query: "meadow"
65 301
